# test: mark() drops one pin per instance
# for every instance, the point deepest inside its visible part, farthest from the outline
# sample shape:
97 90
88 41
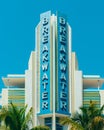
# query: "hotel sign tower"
52 70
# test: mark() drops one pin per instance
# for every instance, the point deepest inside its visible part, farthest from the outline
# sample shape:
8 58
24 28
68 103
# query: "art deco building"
53 81
54 85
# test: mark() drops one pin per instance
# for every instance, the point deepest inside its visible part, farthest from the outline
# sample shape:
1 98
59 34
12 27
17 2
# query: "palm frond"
28 119
15 117
68 121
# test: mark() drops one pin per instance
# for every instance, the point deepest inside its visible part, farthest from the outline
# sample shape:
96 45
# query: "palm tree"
90 118
15 118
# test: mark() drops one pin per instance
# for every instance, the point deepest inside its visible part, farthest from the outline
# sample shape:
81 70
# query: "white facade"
76 84
30 86
78 90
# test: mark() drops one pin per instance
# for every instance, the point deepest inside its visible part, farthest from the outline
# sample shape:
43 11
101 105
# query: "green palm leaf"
14 117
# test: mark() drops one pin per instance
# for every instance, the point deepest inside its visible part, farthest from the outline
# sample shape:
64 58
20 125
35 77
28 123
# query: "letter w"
63 67
45 67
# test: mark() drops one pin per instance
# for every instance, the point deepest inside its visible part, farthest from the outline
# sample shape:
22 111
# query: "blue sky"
18 19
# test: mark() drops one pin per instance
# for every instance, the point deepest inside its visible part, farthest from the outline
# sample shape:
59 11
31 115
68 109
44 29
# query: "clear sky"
18 19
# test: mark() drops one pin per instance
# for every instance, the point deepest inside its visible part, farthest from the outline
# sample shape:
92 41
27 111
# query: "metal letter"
62 58
45 67
63 105
45 77
45 105
63 77
44 85
44 21
45 57
62 39
45 49
63 95
62 49
45 31
62 30
44 39
62 21
63 67
63 85
45 95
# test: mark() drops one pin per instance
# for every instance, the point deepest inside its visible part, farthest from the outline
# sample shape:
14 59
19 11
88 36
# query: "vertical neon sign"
45 63
62 70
